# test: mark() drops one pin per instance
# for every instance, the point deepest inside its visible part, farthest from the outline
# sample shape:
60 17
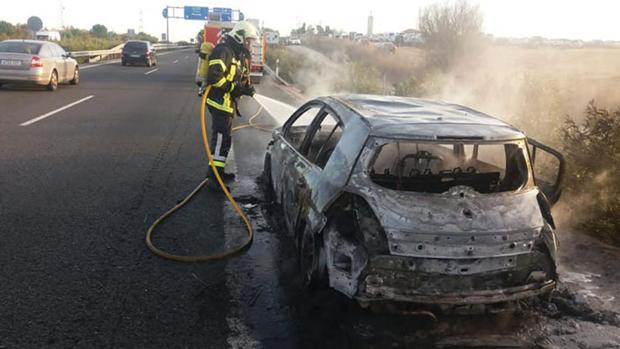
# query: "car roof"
140 41
405 117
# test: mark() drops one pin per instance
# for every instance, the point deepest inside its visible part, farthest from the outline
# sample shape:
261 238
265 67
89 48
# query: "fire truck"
215 28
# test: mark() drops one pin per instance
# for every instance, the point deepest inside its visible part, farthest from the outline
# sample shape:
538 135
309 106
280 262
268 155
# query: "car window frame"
303 109
313 130
50 52
54 50
61 51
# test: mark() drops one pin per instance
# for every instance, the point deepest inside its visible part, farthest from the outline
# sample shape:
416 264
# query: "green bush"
592 151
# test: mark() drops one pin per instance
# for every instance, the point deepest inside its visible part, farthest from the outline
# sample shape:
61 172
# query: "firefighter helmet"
243 31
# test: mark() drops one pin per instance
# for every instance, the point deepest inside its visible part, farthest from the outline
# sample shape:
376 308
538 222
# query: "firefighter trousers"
221 140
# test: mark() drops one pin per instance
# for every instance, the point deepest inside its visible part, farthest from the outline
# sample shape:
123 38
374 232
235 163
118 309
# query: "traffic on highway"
242 189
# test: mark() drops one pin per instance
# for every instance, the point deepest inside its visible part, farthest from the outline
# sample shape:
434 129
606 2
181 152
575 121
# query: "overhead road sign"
196 13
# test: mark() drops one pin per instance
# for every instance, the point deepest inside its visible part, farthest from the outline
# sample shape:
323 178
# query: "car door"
549 166
317 183
59 63
288 172
67 64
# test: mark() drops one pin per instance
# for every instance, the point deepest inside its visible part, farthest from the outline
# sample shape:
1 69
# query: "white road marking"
175 62
47 115
151 71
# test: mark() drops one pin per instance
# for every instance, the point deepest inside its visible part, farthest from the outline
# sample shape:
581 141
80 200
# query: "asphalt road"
79 188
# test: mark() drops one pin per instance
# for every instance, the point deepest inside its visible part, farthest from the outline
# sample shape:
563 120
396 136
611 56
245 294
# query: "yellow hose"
244 218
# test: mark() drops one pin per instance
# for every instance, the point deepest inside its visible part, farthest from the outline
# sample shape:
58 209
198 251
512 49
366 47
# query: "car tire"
267 180
0 86
311 268
76 77
53 84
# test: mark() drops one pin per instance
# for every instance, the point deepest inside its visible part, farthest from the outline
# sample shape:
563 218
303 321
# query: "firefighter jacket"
226 65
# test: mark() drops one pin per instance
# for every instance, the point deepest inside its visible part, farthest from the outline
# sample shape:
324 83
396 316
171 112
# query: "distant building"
370 25
48 35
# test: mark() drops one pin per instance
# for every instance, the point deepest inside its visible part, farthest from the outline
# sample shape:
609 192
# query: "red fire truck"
213 31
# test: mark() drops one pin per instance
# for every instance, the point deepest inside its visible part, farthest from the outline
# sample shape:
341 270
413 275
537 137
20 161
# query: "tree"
449 29
99 30
319 30
6 28
146 37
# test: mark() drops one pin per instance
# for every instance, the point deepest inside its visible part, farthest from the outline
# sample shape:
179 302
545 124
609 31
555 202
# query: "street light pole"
167 26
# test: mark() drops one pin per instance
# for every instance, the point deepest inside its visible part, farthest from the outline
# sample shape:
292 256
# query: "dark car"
415 201
139 52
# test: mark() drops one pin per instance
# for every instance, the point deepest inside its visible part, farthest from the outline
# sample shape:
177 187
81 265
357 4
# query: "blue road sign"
224 14
165 13
223 10
196 13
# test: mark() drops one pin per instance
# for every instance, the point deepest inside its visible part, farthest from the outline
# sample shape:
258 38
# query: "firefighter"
203 62
228 80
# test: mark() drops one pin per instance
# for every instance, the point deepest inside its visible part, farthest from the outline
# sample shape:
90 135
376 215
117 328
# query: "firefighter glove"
243 91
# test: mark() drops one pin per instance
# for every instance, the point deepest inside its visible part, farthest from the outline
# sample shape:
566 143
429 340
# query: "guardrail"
115 52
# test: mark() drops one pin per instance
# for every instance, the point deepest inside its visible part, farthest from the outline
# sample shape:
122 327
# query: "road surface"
84 172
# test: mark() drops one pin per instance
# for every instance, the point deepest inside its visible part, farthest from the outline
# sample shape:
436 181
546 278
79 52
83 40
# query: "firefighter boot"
213 184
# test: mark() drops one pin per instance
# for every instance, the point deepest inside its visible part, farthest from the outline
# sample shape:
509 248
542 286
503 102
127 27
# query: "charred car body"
416 201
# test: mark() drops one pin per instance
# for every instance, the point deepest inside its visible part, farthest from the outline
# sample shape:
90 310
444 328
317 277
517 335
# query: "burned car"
415 201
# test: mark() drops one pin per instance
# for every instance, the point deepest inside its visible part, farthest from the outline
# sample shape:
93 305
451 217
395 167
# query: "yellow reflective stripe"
219 163
221 107
233 72
218 61
227 100
232 87
220 83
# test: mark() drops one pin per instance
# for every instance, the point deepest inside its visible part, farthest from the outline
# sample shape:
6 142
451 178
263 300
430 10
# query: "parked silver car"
415 201
33 62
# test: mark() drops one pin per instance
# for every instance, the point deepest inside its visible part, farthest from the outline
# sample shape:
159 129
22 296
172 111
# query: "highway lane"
77 191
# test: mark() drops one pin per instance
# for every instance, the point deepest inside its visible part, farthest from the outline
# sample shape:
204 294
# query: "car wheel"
311 266
76 77
53 84
0 85
267 180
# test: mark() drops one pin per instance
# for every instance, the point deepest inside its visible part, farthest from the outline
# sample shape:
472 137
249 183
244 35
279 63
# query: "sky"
571 19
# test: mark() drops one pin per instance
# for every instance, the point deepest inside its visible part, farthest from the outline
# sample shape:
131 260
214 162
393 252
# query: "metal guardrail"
115 52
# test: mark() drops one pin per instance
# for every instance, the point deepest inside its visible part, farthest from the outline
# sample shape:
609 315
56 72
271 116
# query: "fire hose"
250 232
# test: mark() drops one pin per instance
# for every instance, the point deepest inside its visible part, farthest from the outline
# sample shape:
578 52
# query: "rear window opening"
437 167
135 46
